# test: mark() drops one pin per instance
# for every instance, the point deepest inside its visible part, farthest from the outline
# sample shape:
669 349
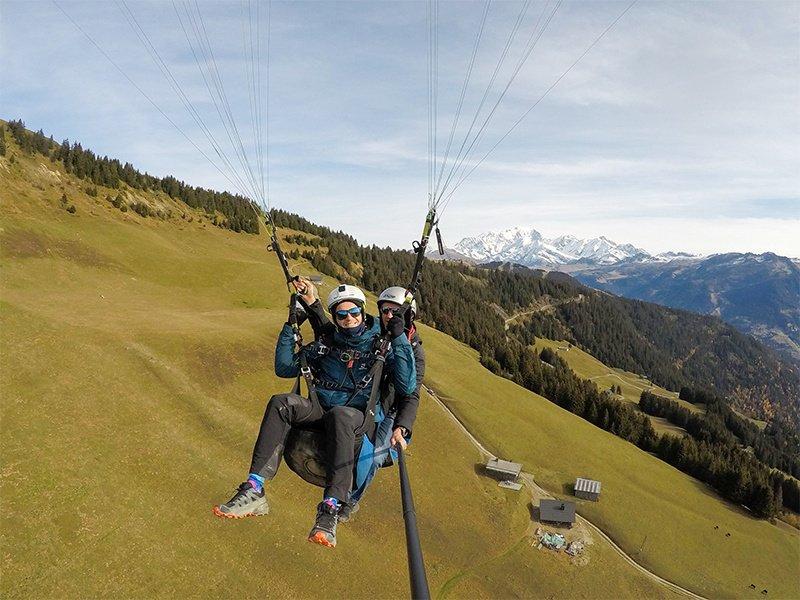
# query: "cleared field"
669 522
136 363
588 367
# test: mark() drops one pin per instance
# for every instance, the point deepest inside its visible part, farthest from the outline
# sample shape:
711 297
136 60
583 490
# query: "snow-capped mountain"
526 246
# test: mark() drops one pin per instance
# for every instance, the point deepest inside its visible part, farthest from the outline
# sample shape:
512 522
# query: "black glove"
395 326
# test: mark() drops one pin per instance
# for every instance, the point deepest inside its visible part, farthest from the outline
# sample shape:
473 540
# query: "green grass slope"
136 362
669 522
588 367
632 385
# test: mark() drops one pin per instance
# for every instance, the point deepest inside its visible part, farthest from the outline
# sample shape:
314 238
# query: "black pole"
416 565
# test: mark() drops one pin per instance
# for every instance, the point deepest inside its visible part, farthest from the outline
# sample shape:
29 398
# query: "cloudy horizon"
678 131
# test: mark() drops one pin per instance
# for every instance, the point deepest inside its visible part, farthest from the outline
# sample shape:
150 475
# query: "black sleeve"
407 405
318 319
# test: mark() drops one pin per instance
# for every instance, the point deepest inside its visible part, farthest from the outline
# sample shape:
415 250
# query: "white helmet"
397 295
346 293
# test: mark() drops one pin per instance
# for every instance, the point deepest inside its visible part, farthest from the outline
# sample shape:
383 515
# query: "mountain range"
526 246
759 294
756 293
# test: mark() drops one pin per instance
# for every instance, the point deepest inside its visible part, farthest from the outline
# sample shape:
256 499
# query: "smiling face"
344 317
387 310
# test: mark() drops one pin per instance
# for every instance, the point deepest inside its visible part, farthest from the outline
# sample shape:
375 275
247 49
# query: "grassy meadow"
669 522
136 364
632 385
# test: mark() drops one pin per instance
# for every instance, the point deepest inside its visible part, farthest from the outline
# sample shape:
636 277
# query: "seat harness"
323 347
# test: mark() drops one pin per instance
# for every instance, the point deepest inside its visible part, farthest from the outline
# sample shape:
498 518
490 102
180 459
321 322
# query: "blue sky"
679 131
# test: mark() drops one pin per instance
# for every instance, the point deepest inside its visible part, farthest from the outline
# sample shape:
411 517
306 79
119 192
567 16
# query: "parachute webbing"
150 99
444 200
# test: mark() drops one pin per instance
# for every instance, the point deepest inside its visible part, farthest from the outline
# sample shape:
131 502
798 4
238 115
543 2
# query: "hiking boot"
324 530
347 511
246 502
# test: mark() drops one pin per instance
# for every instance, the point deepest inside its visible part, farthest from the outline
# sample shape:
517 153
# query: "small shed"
503 469
557 512
588 489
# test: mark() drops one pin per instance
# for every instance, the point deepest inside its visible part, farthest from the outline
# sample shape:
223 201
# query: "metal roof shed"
504 468
587 489
560 512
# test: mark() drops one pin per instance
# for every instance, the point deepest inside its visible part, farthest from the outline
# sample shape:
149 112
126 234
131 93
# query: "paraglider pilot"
339 405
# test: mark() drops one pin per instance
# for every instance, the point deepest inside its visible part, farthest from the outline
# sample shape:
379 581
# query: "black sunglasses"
342 314
388 310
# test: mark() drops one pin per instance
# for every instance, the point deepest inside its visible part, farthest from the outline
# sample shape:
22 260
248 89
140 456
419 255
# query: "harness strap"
376 374
369 377
333 386
321 348
305 373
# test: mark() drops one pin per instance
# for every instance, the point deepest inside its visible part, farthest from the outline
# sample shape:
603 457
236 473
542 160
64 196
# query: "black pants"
339 423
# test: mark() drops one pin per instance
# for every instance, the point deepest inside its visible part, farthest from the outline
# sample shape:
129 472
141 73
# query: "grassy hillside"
136 363
587 366
673 524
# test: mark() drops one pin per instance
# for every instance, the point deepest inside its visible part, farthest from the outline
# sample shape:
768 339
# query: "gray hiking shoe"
246 502
324 530
347 511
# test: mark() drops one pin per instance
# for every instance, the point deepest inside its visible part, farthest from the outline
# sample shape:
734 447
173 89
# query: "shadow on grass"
707 490
534 511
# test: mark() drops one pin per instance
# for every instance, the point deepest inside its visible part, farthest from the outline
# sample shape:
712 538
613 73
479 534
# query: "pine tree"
777 492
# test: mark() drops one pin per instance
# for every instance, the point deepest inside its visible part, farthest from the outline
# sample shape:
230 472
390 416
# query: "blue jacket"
337 382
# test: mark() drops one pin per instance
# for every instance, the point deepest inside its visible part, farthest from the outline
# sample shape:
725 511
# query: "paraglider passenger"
400 410
339 407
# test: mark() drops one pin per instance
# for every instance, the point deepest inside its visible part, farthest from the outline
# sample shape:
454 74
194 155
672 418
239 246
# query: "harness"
323 347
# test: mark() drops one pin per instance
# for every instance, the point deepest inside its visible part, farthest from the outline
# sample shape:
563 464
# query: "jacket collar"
373 328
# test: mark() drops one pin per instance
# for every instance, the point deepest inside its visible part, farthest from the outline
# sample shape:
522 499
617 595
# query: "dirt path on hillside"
546 304
585 527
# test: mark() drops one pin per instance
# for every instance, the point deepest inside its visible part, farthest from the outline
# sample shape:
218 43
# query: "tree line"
716 455
240 214
467 303
672 348
777 445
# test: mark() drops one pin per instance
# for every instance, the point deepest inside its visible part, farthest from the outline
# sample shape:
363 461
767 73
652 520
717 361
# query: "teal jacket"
336 380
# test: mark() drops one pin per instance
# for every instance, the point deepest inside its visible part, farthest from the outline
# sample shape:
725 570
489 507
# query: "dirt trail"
586 526
546 304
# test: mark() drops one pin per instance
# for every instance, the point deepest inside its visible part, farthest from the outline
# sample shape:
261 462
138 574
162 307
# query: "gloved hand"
305 289
395 326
